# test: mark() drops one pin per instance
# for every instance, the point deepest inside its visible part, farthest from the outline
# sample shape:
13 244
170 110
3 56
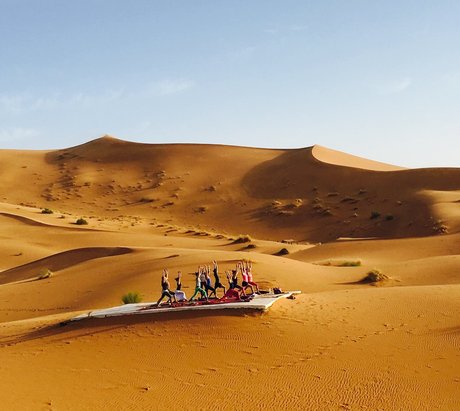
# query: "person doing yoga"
245 282
165 291
180 295
232 293
249 273
198 288
217 283
209 288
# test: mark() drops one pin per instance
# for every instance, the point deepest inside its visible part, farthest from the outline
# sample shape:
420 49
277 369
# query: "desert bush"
44 274
243 239
132 297
285 212
349 263
389 217
374 215
250 246
355 263
288 241
47 211
374 276
350 200
439 227
81 221
283 251
146 200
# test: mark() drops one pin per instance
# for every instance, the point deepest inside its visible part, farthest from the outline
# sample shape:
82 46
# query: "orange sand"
340 345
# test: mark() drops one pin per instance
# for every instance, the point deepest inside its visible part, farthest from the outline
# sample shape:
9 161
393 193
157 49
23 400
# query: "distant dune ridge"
309 194
374 248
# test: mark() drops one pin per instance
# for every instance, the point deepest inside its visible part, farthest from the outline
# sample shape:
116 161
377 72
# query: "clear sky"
379 79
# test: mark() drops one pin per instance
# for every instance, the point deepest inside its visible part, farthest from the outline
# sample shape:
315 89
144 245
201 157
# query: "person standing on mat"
217 283
209 288
202 271
235 279
180 295
245 281
198 288
249 273
165 291
232 293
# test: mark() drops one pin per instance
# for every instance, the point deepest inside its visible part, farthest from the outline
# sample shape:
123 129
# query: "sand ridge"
342 344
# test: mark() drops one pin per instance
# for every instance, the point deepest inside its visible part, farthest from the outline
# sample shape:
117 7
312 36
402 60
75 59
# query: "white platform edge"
261 302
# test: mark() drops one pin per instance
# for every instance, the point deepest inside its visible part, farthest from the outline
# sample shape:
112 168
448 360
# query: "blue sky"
376 79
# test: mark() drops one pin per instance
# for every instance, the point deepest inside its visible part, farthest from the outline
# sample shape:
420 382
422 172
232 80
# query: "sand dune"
327 155
342 344
59 262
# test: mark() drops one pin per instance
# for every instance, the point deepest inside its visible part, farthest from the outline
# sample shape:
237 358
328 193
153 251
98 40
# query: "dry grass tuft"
283 251
346 263
439 227
44 274
241 239
374 277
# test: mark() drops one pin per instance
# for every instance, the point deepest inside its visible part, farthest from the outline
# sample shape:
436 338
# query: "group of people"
203 284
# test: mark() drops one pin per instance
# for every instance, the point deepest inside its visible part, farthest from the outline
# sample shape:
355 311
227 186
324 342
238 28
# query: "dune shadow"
60 261
453 332
65 330
35 223
297 174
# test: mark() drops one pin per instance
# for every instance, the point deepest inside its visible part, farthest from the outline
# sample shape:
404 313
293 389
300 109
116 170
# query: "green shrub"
347 263
81 221
389 217
132 297
47 211
356 263
374 215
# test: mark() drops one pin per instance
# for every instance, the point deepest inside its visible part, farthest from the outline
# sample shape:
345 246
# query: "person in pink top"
249 273
244 275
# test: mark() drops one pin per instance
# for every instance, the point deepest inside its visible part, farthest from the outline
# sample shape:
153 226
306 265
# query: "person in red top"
232 293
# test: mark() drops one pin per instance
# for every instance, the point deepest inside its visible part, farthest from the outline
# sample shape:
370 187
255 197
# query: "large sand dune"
342 344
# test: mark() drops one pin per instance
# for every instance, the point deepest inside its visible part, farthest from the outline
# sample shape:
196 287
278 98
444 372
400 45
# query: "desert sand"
343 344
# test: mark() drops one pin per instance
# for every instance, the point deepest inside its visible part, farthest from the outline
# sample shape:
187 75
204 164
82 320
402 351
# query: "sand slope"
342 344
273 194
